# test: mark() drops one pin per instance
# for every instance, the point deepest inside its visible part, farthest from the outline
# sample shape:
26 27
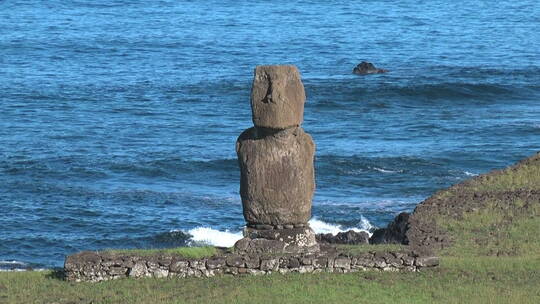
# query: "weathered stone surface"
277 176
320 262
342 262
235 261
395 233
259 246
295 240
252 261
277 97
270 264
138 270
215 263
408 260
91 268
350 237
179 266
293 263
429 261
117 271
365 68
160 273
90 257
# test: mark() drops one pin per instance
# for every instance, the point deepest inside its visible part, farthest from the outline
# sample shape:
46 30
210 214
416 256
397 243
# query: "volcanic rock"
350 237
365 68
277 97
395 233
277 175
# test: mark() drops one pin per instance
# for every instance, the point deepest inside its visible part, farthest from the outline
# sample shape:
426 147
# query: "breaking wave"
214 237
209 236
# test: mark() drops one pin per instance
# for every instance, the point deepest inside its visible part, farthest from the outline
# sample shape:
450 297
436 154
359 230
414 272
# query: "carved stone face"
277 97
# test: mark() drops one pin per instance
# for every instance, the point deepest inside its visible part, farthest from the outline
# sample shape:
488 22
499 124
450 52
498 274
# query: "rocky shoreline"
419 228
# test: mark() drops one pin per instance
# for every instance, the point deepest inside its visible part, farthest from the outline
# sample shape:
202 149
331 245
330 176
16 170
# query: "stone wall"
96 266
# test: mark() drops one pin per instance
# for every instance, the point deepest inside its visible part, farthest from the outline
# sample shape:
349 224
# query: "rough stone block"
407 260
160 273
427 261
293 263
255 272
342 262
305 269
138 270
253 262
215 263
235 261
179 266
320 262
269 264
118 271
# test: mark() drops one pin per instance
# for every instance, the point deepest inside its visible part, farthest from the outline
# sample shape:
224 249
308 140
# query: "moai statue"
276 164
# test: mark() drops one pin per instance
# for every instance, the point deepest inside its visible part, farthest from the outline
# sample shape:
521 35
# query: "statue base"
286 240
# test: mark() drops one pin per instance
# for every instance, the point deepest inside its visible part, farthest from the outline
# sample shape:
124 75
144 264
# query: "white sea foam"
470 173
322 227
214 237
8 266
13 263
386 170
206 235
23 269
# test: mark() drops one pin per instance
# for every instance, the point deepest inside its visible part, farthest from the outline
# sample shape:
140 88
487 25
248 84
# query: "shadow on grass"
57 274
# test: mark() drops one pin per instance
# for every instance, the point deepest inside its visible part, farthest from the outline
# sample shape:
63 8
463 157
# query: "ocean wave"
323 227
385 170
325 93
470 173
214 237
13 265
89 167
357 165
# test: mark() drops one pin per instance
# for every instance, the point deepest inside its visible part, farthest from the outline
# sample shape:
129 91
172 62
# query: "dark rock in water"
277 175
395 233
365 68
350 237
277 97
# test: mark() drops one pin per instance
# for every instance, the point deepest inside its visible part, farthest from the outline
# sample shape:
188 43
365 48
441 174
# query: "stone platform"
91 266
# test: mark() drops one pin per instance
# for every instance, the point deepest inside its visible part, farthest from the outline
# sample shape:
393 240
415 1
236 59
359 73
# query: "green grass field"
495 258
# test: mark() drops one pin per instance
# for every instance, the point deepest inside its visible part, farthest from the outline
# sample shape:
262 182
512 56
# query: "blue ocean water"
118 119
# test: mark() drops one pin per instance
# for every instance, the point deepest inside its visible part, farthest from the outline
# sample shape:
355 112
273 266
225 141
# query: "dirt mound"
499 189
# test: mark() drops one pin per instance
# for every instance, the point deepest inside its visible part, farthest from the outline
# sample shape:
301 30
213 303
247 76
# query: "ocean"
118 119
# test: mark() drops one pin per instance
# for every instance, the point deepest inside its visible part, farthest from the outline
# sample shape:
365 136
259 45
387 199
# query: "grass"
524 176
186 252
457 280
495 258
495 230
356 250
